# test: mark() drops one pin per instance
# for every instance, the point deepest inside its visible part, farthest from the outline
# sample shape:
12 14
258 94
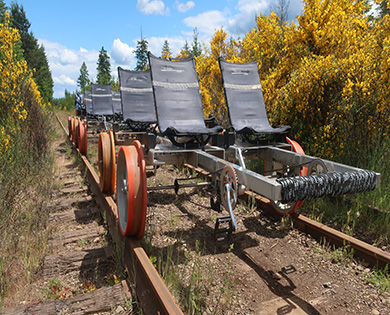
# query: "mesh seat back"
177 95
244 96
88 102
116 102
137 96
102 99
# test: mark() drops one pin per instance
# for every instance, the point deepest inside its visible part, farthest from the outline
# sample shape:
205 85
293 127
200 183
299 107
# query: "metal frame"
214 159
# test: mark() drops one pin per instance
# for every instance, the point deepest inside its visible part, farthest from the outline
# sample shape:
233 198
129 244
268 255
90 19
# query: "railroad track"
372 255
150 290
77 276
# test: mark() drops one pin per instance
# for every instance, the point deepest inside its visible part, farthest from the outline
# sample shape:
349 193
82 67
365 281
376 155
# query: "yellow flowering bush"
210 75
326 77
15 81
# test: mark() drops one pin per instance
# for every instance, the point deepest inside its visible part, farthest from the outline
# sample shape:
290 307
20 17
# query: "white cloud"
64 80
206 22
122 53
244 21
65 63
184 7
252 5
67 57
152 7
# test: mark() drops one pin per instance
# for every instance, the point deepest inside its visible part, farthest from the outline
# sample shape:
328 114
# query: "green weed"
380 278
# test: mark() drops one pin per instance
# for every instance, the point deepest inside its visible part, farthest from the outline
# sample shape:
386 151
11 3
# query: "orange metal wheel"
77 135
83 137
70 127
112 163
104 162
131 190
142 209
73 129
298 149
290 207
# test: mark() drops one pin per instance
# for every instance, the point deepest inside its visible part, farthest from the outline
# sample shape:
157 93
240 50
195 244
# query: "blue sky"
74 31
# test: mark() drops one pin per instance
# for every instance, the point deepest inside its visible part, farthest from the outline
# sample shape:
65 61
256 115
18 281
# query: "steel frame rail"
214 159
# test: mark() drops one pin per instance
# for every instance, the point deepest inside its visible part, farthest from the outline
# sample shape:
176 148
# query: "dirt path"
269 268
79 274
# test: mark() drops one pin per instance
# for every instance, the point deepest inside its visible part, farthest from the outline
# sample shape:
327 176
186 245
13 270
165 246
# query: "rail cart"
138 122
289 177
78 133
103 111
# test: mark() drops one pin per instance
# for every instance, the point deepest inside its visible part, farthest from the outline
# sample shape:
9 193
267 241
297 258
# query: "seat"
88 102
245 102
102 100
116 102
178 101
79 104
137 99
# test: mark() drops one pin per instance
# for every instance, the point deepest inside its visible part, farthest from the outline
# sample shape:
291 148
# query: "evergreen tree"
383 10
33 53
103 68
19 18
196 49
141 53
3 8
83 79
166 51
186 48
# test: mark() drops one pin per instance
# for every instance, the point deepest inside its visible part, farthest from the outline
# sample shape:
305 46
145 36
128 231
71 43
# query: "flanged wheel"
73 129
132 190
228 176
113 162
70 127
290 207
77 132
105 161
83 138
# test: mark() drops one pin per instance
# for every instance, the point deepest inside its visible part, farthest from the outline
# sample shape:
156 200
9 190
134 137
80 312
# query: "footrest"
223 229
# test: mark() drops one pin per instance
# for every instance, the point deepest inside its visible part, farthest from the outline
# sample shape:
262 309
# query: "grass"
380 278
189 275
366 215
25 184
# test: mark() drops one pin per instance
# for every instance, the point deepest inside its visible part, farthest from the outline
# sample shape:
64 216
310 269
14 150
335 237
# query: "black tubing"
330 184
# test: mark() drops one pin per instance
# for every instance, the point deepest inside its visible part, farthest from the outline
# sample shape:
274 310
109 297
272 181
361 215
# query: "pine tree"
3 8
33 53
141 53
83 79
103 68
196 49
186 48
383 10
166 51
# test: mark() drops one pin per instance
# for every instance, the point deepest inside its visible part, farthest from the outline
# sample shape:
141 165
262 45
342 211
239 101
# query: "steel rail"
364 251
151 290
